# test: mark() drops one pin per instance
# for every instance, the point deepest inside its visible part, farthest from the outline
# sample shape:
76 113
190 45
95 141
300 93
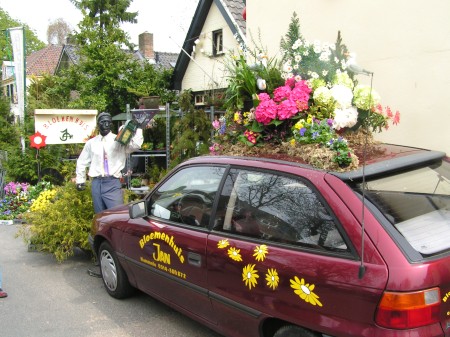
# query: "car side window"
276 208
187 197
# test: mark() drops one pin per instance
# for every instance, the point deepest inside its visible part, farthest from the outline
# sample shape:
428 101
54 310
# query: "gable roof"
44 61
231 11
165 60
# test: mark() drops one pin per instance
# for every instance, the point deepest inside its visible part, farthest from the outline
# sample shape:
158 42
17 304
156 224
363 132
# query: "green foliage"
48 92
10 133
192 131
32 41
100 39
63 225
152 81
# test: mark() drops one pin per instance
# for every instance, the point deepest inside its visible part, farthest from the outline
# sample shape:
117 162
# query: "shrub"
62 222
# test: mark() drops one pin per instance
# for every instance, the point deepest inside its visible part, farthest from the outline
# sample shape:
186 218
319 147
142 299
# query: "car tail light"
408 310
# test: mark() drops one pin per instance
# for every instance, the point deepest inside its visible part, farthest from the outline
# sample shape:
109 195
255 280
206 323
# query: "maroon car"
265 247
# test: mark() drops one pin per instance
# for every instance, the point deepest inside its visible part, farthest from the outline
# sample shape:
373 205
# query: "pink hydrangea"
281 93
263 96
266 111
287 109
301 92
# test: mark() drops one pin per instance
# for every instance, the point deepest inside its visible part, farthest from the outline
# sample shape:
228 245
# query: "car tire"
114 277
293 331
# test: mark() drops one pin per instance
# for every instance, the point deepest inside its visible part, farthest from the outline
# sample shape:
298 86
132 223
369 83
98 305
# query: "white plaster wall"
201 73
405 43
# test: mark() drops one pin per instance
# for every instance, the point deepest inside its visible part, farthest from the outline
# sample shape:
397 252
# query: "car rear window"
417 203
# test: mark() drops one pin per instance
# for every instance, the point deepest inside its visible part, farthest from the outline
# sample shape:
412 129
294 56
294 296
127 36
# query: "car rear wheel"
114 277
293 331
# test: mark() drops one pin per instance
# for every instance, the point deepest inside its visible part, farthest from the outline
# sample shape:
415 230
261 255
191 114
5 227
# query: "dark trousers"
106 193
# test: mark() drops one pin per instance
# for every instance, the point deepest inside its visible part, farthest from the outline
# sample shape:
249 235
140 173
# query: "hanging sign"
65 126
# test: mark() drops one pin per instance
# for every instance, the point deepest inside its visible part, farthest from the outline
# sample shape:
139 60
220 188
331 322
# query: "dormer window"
217 42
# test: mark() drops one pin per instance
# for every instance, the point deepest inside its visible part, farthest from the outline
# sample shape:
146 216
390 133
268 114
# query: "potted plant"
136 182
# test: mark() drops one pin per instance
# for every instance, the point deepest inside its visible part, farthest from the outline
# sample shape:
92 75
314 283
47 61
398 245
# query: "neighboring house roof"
232 13
163 59
44 61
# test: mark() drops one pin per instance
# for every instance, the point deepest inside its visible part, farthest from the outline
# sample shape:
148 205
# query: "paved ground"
51 299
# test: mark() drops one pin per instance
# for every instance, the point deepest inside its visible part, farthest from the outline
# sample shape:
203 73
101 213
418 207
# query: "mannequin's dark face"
104 125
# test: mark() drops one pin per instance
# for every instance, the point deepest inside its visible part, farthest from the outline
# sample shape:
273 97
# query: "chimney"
146 45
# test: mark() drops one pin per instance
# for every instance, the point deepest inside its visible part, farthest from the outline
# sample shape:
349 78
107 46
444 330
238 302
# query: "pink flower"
216 124
266 111
287 109
281 93
290 82
396 119
263 97
301 92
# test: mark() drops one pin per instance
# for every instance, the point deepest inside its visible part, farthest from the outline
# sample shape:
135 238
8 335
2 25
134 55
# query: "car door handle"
195 259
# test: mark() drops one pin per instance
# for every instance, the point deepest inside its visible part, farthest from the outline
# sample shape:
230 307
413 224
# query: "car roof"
383 159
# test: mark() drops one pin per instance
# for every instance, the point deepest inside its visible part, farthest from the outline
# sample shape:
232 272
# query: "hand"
81 187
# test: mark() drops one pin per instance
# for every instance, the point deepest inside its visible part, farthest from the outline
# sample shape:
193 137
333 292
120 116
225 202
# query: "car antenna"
358 70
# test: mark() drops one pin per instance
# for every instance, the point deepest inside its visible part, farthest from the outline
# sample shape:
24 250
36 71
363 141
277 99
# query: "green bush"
63 225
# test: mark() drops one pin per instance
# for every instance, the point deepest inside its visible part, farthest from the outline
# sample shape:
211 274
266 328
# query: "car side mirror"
137 209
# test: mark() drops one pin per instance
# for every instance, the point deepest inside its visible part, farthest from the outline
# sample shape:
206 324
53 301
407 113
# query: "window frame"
217 46
350 252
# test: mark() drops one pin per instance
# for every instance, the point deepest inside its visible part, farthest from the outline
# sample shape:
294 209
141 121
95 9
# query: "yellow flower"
223 243
234 254
299 124
305 291
309 119
260 252
250 275
292 142
272 278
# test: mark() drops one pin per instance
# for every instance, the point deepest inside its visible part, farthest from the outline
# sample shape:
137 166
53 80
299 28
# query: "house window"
199 99
217 42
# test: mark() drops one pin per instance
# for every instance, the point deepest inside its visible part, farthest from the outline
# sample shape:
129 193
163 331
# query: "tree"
32 42
104 72
58 31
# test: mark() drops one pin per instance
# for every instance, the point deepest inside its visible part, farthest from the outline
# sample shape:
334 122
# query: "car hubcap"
109 270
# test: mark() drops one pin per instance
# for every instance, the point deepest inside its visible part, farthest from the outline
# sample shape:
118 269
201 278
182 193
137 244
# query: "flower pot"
150 102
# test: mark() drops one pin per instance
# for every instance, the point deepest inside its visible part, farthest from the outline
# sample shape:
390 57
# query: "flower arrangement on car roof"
306 105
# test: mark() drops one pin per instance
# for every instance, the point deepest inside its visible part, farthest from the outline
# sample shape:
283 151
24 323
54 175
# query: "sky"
168 20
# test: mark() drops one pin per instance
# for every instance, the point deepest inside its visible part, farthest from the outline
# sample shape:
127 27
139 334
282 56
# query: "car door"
166 251
279 251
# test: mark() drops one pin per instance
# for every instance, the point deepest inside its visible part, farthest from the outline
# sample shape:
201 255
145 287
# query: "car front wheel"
114 277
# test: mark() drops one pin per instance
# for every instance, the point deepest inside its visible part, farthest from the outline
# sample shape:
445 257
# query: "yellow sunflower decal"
223 243
234 254
272 278
305 291
260 252
250 275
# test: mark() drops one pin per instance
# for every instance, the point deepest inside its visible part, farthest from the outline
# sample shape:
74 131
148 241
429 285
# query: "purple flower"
302 131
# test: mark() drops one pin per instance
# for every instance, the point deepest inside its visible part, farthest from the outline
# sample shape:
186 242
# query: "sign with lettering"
65 126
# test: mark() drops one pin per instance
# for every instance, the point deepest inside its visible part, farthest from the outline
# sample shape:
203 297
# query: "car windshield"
417 203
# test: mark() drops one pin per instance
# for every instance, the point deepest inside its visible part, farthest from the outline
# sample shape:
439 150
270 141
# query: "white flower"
298 58
261 83
298 78
306 53
314 75
343 96
287 68
295 66
322 96
324 72
345 118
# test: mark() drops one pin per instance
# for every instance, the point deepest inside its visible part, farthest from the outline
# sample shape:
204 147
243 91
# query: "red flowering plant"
320 103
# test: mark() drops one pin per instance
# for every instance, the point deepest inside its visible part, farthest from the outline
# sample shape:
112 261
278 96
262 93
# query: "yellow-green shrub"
61 222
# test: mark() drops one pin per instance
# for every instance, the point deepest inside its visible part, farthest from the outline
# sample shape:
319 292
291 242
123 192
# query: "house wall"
195 77
405 43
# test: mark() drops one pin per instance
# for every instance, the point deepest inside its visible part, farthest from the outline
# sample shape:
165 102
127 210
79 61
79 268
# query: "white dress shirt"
92 155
